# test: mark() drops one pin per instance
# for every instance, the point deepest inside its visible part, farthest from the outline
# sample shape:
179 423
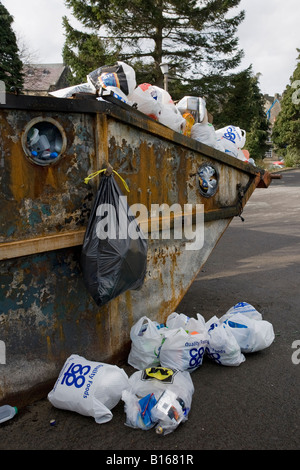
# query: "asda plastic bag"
146 340
223 347
182 350
120 75
89 388
173 391
114 252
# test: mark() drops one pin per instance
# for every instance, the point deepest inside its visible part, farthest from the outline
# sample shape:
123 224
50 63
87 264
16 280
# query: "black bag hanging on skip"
112 262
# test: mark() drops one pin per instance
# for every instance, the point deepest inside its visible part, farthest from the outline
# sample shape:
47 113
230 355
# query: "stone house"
40 79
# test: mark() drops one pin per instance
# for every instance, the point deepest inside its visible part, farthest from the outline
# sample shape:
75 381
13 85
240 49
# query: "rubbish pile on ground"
159 394
189 116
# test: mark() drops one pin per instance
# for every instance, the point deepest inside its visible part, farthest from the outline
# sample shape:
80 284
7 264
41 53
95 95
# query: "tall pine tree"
197 38
242 104
10 63
286 131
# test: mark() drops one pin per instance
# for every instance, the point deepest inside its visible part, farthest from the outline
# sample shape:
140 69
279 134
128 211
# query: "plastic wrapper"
89 388
112 260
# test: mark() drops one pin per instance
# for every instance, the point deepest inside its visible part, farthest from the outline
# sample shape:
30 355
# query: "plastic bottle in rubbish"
7 412
190 121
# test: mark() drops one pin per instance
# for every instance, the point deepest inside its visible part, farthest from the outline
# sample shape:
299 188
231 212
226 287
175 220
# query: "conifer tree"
10 63
242 104
196 38
286 131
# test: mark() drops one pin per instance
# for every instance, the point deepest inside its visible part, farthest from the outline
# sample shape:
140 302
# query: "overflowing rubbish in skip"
189 116
159 393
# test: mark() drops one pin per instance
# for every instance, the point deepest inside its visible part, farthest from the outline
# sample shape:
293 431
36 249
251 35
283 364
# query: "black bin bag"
112 262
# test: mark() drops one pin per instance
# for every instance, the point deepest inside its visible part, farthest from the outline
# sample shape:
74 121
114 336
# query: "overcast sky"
269 35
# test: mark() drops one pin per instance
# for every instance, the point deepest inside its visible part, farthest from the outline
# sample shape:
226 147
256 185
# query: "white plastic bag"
182 350
171 117
69 91
146 339
89 388
117 93
233 134
223 347
190 324
194 105
228 147
168 385
205 133
242 307
251 335
145 102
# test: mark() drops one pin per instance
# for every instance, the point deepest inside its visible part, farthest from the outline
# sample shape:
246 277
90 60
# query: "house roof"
41 77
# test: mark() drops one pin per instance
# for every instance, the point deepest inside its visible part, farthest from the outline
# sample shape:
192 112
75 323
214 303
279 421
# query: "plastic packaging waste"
194 105
120 75
7 412
168 412
223 347
144 97
68 92
232 139
248 327
245 308
169 387
146 340
205 133
190 121
172 118
233 134
180 320
184 350
89 388
117 93
251 335
138 410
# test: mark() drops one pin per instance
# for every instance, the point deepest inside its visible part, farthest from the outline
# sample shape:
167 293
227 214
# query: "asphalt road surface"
254 406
